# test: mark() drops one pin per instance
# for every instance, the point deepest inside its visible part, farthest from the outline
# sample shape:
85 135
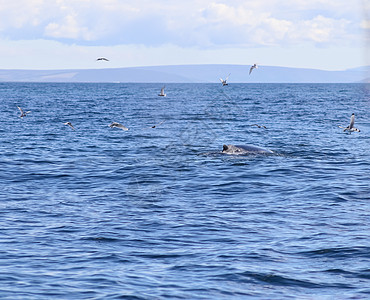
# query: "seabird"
162 92
102 58
70 125
350 127
253 67
118 125
224 82
154 126
259 126
23 113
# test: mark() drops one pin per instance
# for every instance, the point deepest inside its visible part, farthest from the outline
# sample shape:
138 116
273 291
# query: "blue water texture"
160 213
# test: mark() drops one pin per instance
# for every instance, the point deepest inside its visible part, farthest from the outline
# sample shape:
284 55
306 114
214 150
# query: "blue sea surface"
161 213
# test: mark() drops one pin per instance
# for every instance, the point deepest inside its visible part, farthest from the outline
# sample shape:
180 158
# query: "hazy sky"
50 34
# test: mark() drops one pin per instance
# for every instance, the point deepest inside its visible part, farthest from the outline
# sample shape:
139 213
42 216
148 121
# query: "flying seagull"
70 125
23 113
162 92
224 81
253 67
350 127
259 126
154 126
118 125
102 58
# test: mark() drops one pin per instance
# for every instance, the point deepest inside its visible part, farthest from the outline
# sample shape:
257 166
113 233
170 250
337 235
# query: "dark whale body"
244 149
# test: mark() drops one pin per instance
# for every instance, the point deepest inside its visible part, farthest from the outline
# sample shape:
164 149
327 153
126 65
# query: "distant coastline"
190 74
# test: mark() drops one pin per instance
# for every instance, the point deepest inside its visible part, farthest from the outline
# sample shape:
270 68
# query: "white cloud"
324 30
365 24
186 23
147 32
68 28
246 27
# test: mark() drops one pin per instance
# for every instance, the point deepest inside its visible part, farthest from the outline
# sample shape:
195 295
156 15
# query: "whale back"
244 149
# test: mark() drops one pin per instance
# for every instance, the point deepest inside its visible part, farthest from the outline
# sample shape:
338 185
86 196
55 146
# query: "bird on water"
162 93
350 128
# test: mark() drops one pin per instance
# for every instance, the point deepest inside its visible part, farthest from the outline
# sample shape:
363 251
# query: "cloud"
321 29
243 26
192 23
69 28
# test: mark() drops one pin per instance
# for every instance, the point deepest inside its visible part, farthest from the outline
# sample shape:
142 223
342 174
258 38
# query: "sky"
71 34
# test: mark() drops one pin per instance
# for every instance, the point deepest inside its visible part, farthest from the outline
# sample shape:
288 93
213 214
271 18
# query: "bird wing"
121 126
250 70
158 124
259 126
69 124
154 126
221 80
20 109
352 122
227 77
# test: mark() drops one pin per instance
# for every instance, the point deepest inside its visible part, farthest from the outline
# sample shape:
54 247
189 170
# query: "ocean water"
160 213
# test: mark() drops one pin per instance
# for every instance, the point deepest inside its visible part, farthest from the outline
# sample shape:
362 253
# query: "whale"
244 150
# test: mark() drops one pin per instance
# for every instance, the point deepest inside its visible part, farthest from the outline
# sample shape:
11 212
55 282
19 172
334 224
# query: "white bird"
118 125
162 92
253 67
23 113
102 58
224 81
350 127
70 125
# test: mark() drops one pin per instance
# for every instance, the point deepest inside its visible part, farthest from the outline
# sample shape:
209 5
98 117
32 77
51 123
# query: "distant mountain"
190 73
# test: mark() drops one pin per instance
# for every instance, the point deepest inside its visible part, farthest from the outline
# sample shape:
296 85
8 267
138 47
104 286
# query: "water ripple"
160 213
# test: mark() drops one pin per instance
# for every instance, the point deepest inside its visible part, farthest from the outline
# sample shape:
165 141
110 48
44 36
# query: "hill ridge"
207 73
